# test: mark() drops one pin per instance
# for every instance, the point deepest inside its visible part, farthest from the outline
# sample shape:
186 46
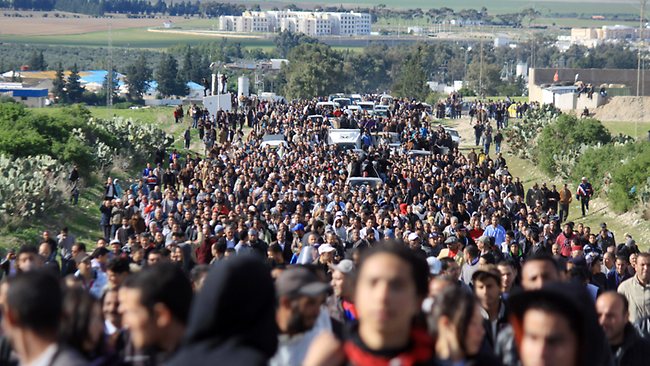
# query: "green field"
142 39
600 212
634 129
130 38
575 22
83 219
495 7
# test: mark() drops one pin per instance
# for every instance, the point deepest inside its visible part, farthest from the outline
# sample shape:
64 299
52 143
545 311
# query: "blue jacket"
613 279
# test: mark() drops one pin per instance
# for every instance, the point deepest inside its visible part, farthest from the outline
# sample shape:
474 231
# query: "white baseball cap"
325 248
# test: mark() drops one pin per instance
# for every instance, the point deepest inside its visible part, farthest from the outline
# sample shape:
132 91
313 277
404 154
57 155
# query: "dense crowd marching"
257 255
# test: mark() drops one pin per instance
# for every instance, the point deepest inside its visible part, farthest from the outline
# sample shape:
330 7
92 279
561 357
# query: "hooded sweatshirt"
233 318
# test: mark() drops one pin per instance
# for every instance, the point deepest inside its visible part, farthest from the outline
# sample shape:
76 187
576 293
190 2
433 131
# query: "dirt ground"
34 23
628 109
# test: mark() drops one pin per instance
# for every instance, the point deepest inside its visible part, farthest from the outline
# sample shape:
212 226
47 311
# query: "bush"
34 150
522 135
28 186
598 163
466 92
628 178
561 143
434 97
619 171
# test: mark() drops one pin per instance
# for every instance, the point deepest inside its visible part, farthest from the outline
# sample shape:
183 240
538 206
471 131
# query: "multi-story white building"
310 23
591 37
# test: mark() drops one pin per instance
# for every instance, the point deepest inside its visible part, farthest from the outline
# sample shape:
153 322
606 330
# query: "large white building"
591 37
310 23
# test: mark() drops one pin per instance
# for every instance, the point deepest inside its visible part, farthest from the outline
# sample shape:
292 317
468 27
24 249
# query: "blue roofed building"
31 97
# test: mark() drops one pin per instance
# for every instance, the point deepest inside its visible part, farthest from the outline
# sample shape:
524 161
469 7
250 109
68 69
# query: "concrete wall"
162 102
565 102
593 76
591 104
31 102
571 101
215 103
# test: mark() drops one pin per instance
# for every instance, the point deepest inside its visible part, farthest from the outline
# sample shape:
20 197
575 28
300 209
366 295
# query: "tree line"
133 7
316 68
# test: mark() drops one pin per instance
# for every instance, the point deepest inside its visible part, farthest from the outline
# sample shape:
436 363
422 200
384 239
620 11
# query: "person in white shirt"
300 315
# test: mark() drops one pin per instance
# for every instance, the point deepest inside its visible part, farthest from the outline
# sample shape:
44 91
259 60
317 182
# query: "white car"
274 141
367 106
418 153
455 136
371 182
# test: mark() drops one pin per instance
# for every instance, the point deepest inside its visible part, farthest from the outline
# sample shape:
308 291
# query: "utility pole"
480 74
640 46
109 75
639 61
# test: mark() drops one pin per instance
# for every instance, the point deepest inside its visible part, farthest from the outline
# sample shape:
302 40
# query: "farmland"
595 7
130 38
59 23
64 29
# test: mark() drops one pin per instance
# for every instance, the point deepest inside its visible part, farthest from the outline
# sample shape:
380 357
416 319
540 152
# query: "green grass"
83 219
130 38
634 129
577 22
530 174
199 24
494 7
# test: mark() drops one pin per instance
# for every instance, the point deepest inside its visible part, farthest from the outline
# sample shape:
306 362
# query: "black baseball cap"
299 281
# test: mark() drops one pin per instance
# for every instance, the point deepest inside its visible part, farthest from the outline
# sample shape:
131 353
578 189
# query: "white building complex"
592 37
310 23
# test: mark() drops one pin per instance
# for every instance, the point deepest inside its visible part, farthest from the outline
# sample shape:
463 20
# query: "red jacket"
204 251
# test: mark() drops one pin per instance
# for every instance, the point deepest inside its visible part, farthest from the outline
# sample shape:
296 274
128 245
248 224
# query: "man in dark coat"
628 347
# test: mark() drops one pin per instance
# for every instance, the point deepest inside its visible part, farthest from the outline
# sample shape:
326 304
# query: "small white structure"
221 102
566 98
243 84
416 31
501 41
276 63
522 70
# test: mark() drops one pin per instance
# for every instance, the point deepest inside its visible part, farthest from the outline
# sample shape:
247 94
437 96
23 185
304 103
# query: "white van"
344 139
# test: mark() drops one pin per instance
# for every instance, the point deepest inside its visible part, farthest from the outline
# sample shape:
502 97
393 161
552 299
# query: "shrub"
629 177
598 163
561 143
35 148
522 135
28 186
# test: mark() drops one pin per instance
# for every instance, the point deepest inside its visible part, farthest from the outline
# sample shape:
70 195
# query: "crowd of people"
270 256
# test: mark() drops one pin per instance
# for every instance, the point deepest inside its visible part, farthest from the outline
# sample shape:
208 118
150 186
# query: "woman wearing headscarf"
233 318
